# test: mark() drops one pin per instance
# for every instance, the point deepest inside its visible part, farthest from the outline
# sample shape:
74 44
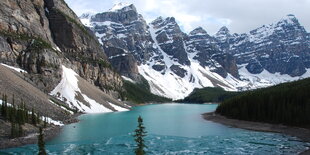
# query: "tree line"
287 103
208 94
18 115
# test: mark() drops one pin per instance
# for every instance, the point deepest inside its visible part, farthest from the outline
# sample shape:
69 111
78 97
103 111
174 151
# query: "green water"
172 129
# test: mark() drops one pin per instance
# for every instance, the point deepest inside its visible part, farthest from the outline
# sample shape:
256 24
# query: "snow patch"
51 121
119 6
118 108
86 22
67 90
128 79
265 78
61 107
14 68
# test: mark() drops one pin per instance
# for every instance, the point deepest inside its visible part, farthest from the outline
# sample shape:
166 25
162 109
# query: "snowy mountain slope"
279 47
68 90
265 78
174 63
177 80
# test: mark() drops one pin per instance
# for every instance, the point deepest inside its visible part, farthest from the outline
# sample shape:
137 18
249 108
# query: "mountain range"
174 62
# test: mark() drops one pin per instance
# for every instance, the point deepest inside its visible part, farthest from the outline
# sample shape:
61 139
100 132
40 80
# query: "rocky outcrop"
204 49
80 47
125 38
40 36
170 38
27 42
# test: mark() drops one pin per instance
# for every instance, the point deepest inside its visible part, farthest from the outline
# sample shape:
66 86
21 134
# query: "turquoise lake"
172 129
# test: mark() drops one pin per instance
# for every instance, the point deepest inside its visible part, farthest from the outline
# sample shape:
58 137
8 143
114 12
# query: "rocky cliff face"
124 36
206 50
41 35
26 40
170 39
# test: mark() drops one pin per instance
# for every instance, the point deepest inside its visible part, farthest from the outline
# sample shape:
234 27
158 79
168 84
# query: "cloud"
239 16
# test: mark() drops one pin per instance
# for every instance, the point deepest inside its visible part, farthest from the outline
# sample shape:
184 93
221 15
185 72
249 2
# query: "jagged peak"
289 19
122 6
290 16
170 19
86 15
223 33
198 30
167 20
157 21
223 30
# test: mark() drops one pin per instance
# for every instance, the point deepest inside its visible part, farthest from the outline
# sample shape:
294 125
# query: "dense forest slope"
208 94
287 103
139 92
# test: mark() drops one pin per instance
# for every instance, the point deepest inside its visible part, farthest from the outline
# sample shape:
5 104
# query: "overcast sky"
239 16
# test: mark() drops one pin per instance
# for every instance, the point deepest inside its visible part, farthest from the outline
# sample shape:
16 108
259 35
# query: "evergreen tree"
33 118
4 107
41 143
38 119
20 130
14 130
139 134
45 122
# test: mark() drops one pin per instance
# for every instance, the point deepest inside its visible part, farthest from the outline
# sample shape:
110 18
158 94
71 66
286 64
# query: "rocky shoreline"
32 138
301 133
49 133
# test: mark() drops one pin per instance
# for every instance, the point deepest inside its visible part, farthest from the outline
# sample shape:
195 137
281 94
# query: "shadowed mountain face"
160 51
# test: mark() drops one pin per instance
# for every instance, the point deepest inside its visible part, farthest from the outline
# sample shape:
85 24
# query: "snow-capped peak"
289 19
120 6
159 19
198 31
223 34
223 31
87 15
85 18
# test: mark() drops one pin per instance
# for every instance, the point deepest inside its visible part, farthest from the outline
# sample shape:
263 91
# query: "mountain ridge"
160 51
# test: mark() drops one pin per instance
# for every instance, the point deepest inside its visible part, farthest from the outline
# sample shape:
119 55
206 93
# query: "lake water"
172 129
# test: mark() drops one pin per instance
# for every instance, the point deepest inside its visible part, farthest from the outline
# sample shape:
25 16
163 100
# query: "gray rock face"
40 35
127 16
126 31
281 47
208 53
170 38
